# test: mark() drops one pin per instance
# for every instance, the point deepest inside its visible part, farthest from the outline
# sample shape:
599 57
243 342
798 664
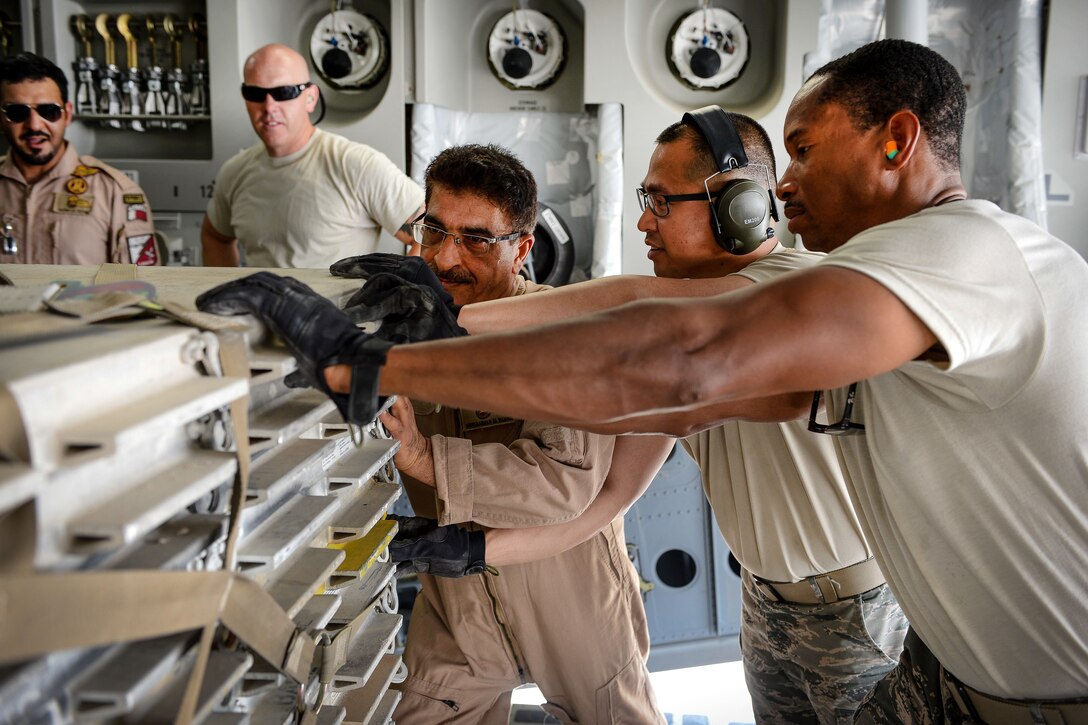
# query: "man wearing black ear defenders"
56 206
302 197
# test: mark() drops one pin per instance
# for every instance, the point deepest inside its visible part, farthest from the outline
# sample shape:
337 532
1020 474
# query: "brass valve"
102 25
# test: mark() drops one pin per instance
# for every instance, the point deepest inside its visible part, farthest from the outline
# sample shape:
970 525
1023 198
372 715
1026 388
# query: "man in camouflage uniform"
57 207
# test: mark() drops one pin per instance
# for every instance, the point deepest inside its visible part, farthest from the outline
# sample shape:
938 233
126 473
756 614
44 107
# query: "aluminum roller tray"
119 463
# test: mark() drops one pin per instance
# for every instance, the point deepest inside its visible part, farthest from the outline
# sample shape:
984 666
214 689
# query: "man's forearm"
217 250
512 313
583 298
218 254
598 368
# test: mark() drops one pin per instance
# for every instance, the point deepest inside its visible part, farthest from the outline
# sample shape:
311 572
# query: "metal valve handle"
125 28
174 30
101 24
81 28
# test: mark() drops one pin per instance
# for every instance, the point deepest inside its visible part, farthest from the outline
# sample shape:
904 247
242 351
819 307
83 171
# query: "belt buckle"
766 589
818 583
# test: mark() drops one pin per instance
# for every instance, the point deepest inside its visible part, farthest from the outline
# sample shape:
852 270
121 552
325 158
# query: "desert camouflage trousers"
816 663
919 691
914 692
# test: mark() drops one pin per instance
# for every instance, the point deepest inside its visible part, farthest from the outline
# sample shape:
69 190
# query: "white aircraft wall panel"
626 63
452 68
693 607
1065 123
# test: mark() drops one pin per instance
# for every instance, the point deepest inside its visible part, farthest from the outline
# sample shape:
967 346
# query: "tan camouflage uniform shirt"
82 212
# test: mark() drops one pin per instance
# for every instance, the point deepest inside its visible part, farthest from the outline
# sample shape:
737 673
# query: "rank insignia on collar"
76 185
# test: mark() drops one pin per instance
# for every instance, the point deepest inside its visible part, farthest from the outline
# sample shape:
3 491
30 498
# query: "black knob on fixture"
517 63
336 63
705 62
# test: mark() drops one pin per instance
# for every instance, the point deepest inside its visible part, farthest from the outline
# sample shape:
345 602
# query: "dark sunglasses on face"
20 112
256 94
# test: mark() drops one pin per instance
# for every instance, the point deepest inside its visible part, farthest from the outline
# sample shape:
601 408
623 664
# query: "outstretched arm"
635 462
595 295
815 329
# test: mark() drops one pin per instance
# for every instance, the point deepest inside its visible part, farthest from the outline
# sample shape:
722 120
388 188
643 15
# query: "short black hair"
754 138
491 172
887 76
31 67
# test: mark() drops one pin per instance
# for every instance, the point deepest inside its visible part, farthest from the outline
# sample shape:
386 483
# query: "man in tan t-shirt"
302 197
57 207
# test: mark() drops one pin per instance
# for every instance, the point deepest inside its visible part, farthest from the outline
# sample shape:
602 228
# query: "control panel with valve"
708 49
141 97
349 49
526 49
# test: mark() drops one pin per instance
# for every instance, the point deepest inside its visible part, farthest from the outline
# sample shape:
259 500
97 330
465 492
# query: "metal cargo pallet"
143 581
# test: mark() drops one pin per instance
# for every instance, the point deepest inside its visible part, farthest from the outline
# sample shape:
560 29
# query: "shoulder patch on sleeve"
142 250
137 212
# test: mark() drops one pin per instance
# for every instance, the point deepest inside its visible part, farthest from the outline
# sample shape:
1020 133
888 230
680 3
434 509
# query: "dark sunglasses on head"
256 94
20 112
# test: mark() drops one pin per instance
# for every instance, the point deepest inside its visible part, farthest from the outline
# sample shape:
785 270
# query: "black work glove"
314 330
365 266
408 312
422 546
410 269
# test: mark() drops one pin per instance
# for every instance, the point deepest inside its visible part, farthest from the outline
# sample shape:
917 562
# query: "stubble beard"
33 159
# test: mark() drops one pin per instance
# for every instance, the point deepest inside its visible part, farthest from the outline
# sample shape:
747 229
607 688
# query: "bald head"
283 125
275 65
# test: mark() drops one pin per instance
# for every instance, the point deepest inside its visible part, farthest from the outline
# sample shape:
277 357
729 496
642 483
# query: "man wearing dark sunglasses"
302 197
57 207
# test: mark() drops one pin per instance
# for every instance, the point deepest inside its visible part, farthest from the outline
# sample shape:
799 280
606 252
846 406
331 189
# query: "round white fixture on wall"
350 50
526 49
708 48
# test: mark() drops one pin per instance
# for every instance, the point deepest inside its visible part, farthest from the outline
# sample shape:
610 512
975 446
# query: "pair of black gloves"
412 306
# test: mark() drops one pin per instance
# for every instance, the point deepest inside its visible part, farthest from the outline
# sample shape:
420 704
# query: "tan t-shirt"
776 489
82 212
327 201
972 477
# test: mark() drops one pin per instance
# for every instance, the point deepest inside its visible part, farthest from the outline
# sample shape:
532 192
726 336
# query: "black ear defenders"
741 213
